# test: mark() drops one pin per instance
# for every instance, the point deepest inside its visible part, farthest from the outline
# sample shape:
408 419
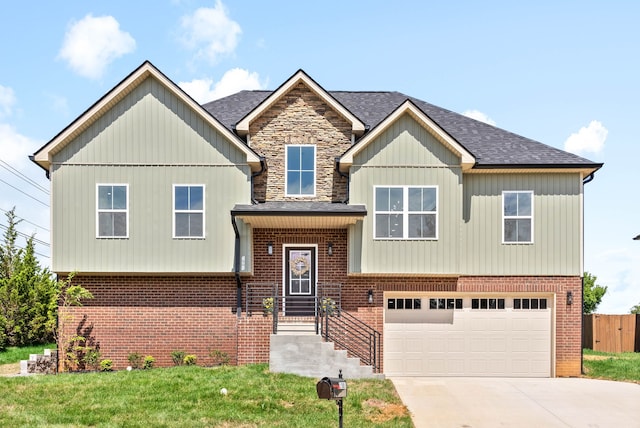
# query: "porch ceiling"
299 215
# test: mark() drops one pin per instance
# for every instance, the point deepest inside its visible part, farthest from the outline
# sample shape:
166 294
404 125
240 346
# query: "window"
518 217
410 303
487 304
112 202
188 211
406 212
530 304
441 303
301 171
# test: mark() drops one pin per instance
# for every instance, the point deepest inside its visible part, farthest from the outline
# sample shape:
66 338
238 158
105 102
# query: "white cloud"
234 80
92 43
588 139
14 147
478 115
210 32
7 100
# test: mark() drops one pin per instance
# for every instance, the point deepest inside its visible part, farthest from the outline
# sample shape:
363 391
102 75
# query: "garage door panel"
472 342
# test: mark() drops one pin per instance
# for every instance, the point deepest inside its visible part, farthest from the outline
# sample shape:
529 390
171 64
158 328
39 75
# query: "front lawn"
602 365
190 397
14 354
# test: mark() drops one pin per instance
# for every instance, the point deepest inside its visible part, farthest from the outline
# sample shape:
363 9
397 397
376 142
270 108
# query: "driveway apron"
522 403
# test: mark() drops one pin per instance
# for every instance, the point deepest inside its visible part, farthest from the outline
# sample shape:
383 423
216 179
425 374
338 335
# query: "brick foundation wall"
157 315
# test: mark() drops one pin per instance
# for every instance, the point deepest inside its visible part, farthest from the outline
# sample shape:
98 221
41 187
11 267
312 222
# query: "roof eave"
43 155
467 160
357 126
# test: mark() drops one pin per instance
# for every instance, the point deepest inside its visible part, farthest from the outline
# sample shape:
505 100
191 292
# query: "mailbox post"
333 389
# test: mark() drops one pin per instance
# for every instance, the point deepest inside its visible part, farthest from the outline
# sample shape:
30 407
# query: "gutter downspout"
589 178
236 266
343 175
263 168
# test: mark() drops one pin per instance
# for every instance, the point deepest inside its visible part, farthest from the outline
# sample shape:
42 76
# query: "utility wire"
34 252
24 235
20 175
24 193
27 221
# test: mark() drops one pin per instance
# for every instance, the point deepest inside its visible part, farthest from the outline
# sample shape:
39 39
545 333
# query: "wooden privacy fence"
611 333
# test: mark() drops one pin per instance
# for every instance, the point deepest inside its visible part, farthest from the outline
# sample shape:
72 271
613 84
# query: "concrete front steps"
40 363
306 354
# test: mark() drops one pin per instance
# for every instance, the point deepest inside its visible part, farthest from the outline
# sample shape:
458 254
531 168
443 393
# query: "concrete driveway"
539 403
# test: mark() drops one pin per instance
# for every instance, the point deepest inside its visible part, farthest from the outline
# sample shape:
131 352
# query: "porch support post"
236 266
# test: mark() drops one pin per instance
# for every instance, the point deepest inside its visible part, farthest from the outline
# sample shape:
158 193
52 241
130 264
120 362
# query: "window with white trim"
301 170
188 211
517 211
406 212
112 201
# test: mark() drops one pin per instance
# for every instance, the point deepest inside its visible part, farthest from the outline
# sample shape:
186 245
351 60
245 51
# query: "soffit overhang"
44 155
467 160
357 126
299 215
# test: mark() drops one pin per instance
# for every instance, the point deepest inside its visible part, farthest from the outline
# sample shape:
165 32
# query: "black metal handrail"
356 337
334 324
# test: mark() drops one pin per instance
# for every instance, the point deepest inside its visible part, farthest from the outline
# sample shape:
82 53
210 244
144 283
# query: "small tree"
635 309
66 295
593 293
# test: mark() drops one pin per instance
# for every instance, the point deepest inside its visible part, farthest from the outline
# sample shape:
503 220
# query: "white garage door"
430 335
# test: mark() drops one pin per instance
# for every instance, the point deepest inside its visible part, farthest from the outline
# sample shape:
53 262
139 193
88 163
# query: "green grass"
190 397
622 367
14 354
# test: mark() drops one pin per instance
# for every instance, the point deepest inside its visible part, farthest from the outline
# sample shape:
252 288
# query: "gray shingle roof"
299 208
491 146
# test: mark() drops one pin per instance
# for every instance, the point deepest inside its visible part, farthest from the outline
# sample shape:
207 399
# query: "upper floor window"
406 212
188 211
301 171
517 217
112 213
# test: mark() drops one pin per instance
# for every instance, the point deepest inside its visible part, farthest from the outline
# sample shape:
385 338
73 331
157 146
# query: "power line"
24 193
20 175
24 235
27 221
35 252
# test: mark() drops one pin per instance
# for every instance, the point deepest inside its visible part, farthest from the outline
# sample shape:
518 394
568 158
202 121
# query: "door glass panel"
300 278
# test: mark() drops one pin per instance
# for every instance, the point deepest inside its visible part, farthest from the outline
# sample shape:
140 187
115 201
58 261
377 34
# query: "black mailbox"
332 388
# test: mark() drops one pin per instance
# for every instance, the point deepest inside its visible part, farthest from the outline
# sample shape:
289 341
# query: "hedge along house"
458 243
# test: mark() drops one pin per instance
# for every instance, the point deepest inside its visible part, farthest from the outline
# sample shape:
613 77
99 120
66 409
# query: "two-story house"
459 243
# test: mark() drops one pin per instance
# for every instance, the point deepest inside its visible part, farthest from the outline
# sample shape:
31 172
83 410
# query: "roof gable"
467 160
147 70
242 127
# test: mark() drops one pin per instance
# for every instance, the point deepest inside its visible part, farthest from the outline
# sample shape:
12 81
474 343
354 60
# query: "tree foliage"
26 291
593 293
635 309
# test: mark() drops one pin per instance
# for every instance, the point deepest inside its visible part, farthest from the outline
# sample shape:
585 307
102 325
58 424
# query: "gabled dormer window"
301 170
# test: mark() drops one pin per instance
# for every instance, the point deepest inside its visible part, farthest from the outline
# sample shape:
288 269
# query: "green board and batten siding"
469 213
406 154
556 248
146 141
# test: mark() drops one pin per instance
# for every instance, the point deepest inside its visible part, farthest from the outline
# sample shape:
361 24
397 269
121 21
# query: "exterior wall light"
370 296
270 248
330 248
569 297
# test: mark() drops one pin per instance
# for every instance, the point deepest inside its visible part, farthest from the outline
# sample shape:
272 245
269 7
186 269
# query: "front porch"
312 334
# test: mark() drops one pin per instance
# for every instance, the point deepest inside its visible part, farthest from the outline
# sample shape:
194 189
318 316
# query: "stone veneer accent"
300 117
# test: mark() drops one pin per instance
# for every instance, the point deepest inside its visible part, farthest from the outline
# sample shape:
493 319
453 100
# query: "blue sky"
563 73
